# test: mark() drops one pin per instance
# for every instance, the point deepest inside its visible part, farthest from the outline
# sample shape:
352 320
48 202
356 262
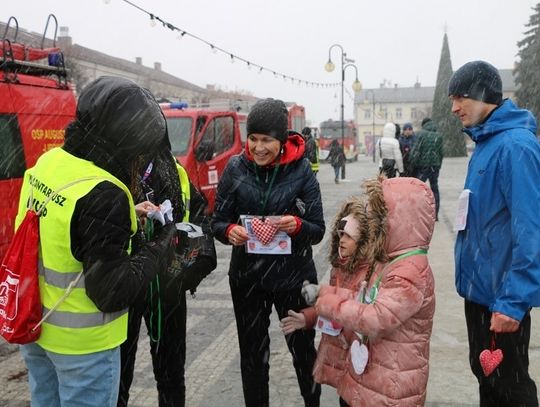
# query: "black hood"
117 121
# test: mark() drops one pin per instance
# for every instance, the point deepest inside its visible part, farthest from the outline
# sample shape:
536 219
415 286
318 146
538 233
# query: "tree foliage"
448 125
527 70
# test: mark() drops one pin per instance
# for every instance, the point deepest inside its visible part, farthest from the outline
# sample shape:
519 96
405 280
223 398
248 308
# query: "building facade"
375 107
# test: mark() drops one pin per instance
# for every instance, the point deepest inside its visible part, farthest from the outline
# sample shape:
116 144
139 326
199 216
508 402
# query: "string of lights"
154 19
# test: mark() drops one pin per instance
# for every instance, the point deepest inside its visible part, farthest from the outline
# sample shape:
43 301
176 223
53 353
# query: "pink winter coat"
332 353
400 320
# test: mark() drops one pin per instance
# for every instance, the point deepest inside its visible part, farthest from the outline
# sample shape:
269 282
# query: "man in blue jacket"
497 252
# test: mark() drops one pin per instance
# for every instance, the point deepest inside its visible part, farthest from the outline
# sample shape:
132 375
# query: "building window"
414 113
399 113
367 114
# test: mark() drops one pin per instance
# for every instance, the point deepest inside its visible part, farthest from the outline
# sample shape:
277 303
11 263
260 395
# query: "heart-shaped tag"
359 357
265 230
489 360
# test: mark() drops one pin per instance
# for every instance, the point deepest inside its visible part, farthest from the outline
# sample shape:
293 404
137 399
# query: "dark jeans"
168 354
509 385
252 309
431 173
336 172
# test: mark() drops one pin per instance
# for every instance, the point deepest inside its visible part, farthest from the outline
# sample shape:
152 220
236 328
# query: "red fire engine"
331 130
36 104
203 141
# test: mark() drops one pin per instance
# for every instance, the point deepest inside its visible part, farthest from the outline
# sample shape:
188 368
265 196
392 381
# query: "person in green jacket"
426 158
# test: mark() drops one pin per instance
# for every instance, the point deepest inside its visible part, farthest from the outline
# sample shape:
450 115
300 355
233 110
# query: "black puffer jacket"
295 192
117 122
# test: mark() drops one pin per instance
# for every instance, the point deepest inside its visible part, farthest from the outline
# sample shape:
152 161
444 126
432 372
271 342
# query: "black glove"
163 246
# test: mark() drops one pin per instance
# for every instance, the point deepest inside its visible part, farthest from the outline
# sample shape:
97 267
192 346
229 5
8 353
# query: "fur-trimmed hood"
402 216
356 207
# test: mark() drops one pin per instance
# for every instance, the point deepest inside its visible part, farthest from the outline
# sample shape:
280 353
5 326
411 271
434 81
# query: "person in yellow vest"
163 304
312 149
86 231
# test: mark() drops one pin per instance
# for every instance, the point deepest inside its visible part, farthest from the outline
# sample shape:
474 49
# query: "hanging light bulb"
106 1
152 21
232 59
260 70
357 85
248 65
214 50
329 67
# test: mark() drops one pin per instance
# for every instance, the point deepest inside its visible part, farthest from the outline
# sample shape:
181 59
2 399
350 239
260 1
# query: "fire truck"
203 141
36 104
330 130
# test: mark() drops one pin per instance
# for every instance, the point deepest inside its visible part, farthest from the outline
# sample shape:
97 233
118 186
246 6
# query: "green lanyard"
375 288
266 194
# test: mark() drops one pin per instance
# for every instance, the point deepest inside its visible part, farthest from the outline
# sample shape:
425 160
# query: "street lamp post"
357 86
372 119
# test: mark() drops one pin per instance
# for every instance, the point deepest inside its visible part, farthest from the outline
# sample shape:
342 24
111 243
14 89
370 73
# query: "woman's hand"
142 209
238 235
287 224
295 321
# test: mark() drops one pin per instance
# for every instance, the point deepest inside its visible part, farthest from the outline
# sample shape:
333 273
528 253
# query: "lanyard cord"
375 286
154 286
265 194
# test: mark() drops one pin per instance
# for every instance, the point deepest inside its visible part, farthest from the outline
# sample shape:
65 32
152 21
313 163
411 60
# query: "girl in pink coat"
347 256
392 317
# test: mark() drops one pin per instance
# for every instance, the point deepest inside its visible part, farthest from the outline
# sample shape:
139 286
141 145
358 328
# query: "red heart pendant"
264 230
490 360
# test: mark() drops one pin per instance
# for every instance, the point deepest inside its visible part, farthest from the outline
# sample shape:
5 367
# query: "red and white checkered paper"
264 230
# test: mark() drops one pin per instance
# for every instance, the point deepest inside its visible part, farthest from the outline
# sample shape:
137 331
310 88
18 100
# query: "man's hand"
310 292
295 321
501 323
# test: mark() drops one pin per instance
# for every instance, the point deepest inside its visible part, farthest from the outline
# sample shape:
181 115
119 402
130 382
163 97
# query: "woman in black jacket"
270 179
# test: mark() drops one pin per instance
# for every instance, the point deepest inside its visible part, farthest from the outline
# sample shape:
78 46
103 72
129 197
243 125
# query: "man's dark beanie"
425 120
270 117
477 80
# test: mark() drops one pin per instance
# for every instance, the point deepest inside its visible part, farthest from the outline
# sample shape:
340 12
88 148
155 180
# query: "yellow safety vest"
186 191
77 326
315 165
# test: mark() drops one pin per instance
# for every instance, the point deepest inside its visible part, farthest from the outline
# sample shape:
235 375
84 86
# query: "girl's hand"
238 235
142 209
295 321
287 224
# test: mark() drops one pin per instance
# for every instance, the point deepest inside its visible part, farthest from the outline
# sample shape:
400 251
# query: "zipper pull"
266 181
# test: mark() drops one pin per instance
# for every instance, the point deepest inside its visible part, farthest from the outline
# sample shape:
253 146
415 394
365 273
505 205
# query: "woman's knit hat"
269 116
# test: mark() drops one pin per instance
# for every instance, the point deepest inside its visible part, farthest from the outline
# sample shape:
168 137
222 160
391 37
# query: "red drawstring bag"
20 303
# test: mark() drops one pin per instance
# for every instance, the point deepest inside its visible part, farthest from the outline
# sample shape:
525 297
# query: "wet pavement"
213 368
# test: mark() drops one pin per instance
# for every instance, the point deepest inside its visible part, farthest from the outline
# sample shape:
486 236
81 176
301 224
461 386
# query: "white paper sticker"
359 357
328 327
463 208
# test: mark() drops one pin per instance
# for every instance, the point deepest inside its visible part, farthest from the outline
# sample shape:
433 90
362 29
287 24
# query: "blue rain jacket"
497 256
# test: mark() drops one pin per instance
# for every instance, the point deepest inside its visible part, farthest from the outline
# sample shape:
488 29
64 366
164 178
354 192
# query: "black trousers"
168 353
252 309
509 385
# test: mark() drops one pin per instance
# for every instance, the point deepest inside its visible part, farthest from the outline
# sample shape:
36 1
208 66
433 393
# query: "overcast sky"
396 40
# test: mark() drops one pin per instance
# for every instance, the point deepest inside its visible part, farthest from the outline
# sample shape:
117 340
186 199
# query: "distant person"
406 144
336 156
312 149
390 159
76 360
426 158
497 253
390 318
273 184
398 131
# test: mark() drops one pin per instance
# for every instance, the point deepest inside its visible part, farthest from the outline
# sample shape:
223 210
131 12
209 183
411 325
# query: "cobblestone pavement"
213 368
